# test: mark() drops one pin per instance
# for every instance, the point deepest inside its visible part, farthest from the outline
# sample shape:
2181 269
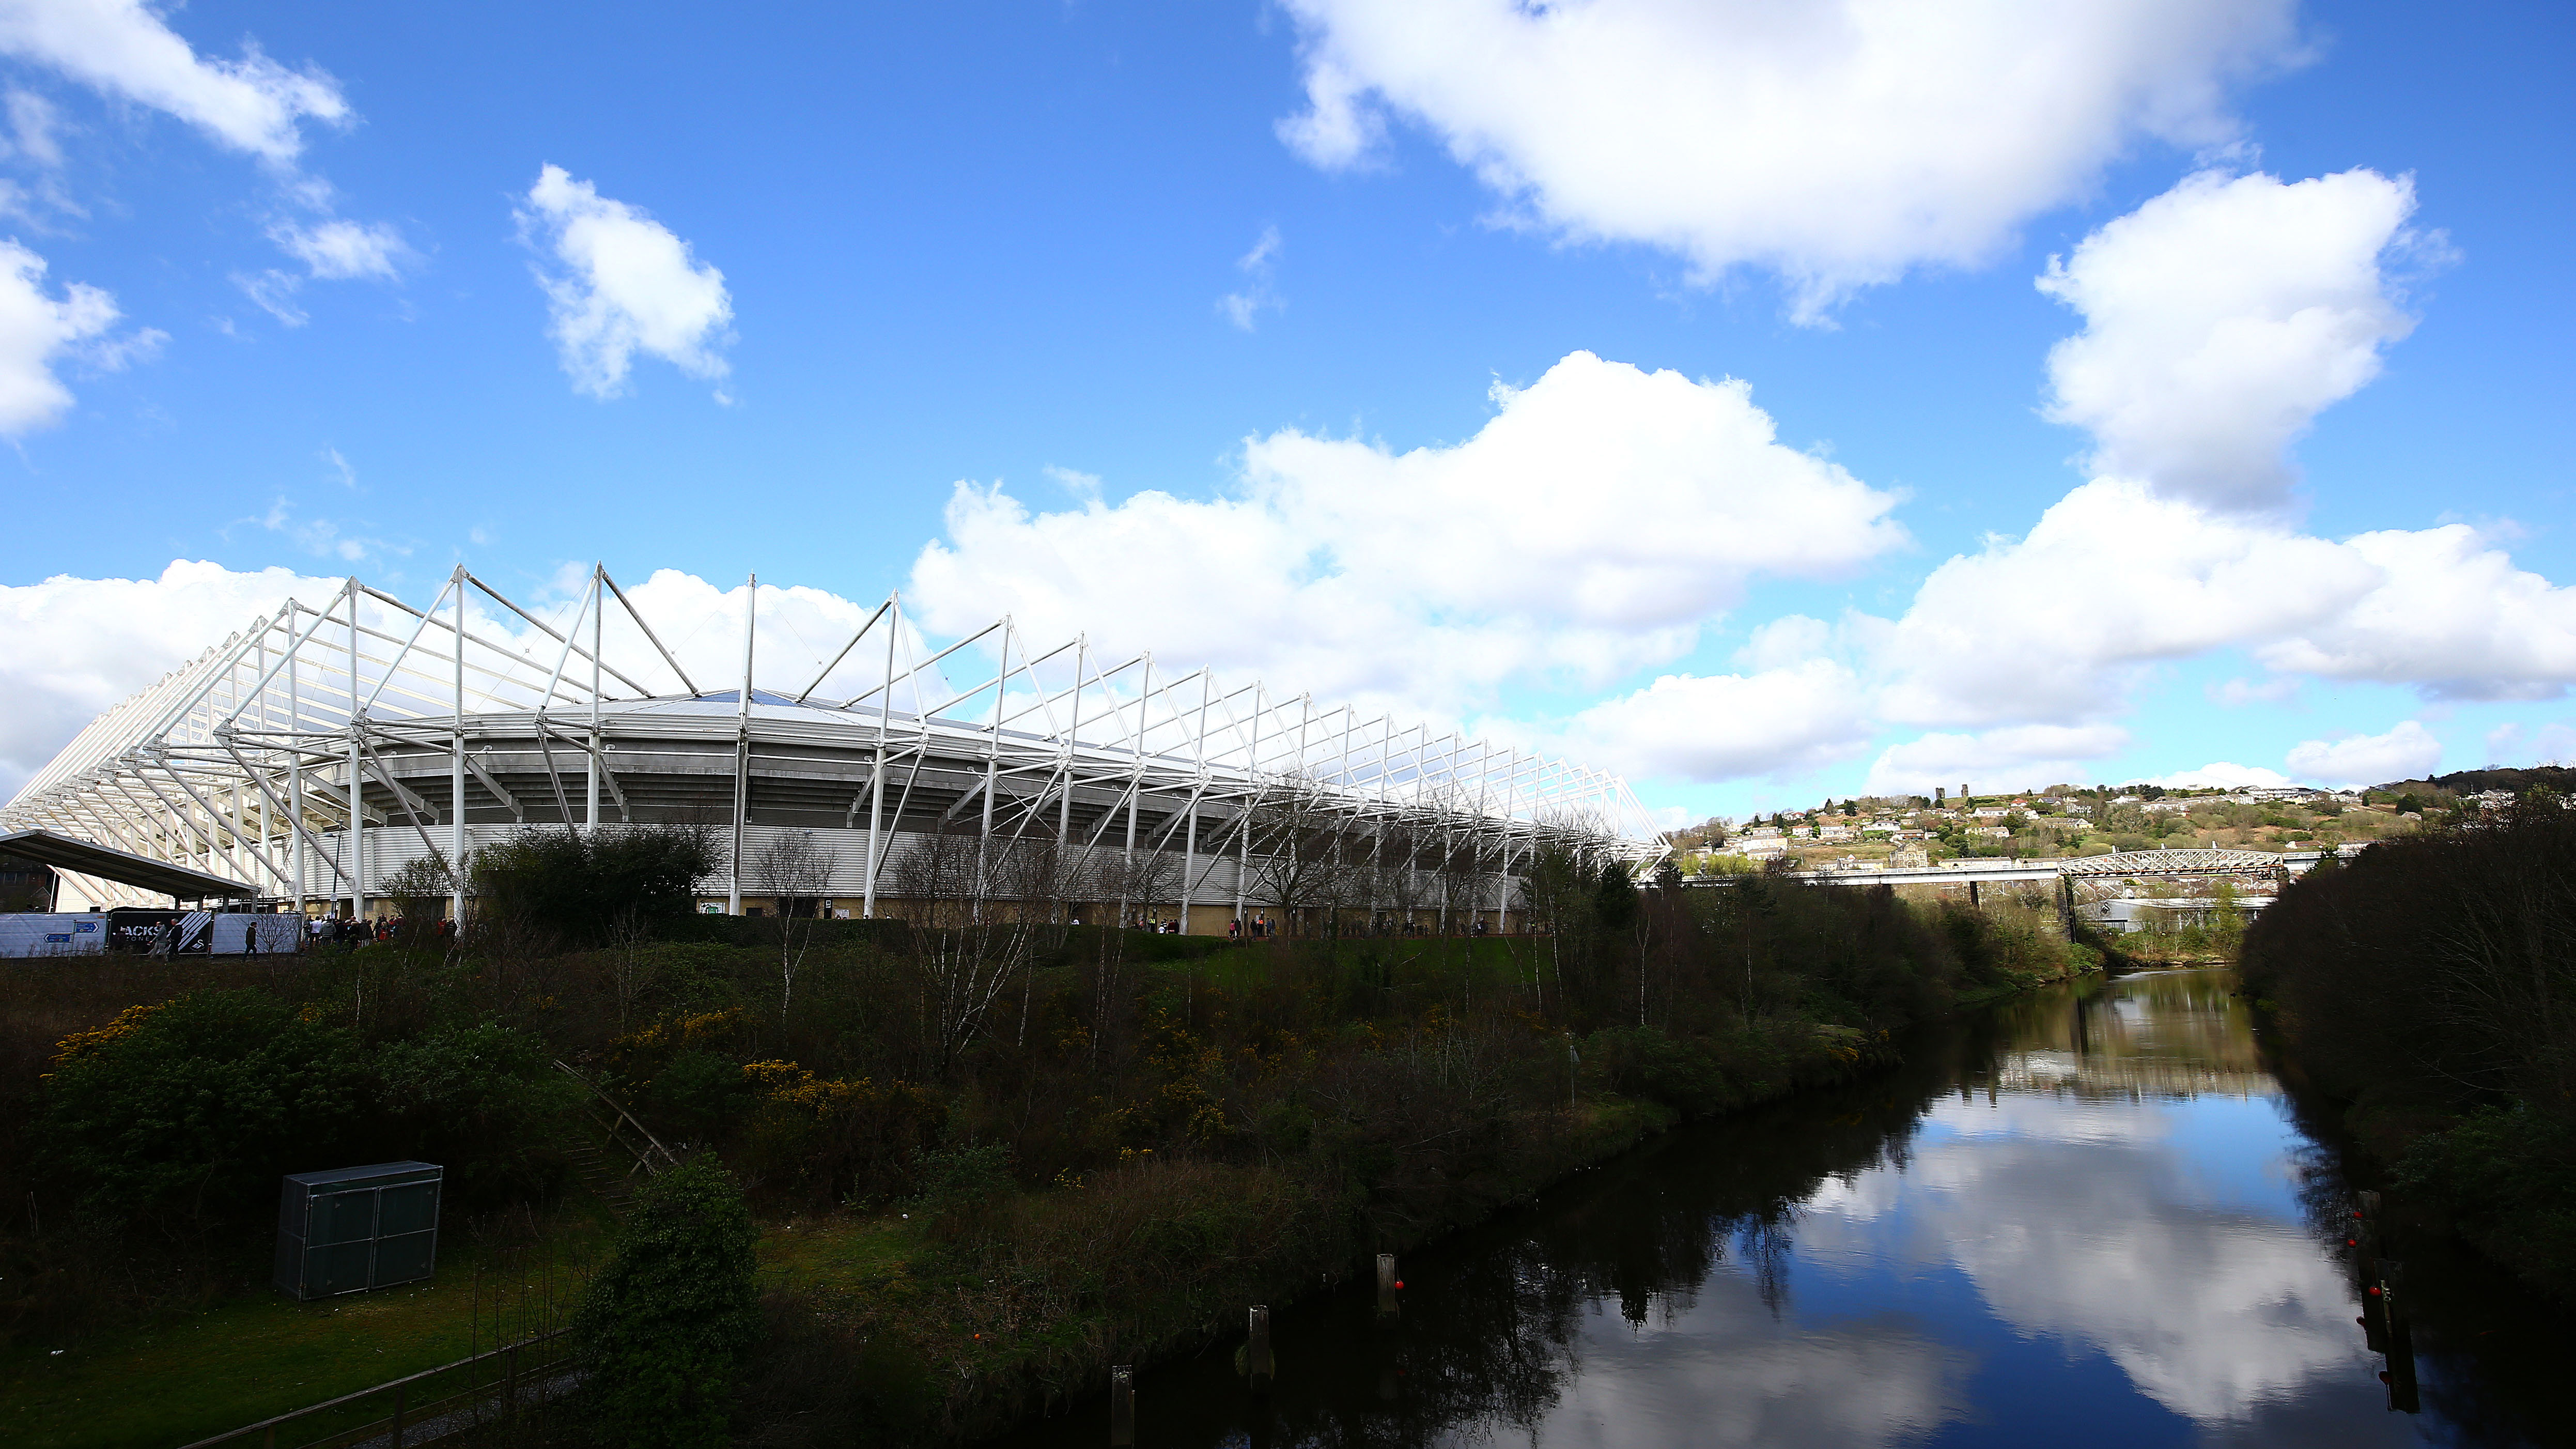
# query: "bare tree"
1397 852
979 908
1298 853
632 969
795 871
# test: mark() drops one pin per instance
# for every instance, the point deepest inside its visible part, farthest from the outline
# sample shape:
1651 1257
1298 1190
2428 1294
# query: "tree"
420 888
977 908
1297 829
578 885
795 872
664 1327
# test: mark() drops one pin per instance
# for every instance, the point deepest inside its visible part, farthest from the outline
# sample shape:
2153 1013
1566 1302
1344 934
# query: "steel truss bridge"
2260 864
319 750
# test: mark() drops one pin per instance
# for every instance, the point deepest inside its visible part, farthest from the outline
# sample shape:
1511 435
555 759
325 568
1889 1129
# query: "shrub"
664 1327
473 1099
962 1186
197 1106
580 885
2509 1177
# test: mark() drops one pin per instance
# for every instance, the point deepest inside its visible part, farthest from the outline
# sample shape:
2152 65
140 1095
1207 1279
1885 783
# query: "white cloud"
2404 753
1837 144
2058 625
322 537
338 249
2027 754
622 284
37 328
2448 614
121 48
1434 575
2221 775
2220 319
1244 308
33 123
273 292
1783 721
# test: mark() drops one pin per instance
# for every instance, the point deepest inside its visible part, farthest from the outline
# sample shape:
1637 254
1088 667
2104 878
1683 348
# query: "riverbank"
2080 1217
2425 988
949 1329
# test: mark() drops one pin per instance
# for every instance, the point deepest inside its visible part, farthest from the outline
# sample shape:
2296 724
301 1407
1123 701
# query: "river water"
2094 1216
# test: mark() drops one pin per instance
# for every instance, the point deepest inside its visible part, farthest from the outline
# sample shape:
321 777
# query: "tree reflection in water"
2092 1210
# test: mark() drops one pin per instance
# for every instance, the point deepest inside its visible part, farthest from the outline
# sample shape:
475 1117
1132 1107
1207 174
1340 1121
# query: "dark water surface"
2091 1217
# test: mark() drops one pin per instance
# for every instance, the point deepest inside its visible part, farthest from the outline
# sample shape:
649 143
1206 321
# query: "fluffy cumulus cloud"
2220 319
121 48
78 646
2063 624
1439 573
619 283
1782 722
37 329
2405 753
2440 609
1839 144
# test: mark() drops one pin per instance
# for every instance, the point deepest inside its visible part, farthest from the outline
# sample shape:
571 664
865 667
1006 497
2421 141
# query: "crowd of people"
335 928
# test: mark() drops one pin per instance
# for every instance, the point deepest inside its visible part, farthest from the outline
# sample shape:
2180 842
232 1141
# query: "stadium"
310 759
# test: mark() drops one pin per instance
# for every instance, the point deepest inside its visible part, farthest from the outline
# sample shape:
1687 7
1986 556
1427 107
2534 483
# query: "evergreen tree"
666 1324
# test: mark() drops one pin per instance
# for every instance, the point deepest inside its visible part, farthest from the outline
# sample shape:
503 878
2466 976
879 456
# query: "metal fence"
490 1387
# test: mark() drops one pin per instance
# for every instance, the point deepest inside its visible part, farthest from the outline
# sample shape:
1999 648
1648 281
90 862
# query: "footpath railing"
490 1387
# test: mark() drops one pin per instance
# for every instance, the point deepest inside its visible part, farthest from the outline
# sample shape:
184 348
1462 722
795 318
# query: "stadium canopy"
80 857
364 748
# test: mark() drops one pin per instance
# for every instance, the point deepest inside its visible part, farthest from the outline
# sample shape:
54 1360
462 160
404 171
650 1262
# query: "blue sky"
1077 253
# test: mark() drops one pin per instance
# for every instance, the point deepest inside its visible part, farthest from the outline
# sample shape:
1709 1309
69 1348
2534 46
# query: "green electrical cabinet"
357 1228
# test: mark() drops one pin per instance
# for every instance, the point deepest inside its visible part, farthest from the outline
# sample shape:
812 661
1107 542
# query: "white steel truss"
310 752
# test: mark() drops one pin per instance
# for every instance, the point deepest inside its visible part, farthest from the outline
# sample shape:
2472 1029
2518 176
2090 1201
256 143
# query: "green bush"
961 1187
197 1106
474 1099
2509 1177
665 1326
585 886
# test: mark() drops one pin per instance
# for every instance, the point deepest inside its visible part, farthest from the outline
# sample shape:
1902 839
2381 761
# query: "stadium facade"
318 752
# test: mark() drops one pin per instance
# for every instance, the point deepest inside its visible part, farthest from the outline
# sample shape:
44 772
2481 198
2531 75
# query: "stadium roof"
142 872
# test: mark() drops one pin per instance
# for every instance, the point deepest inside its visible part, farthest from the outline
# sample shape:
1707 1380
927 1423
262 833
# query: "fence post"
1256 1351
1122 1407
401 1391
510 1388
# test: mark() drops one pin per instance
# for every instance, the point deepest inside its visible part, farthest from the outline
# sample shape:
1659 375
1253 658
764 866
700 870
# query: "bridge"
2255 864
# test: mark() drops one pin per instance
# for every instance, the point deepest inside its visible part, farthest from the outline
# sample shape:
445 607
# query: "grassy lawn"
260 1355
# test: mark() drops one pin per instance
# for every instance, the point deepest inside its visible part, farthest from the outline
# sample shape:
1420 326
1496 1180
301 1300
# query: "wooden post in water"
1122 1407
2402 1395
1386 1285
1256 1351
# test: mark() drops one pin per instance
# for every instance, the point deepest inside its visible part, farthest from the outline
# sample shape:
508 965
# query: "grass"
259 1355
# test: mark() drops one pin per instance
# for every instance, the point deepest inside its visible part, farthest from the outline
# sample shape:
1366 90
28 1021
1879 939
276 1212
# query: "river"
2094 1216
